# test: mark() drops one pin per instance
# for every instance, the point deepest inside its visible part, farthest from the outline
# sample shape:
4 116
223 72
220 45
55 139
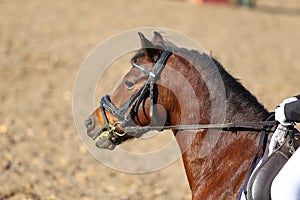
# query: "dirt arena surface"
42 45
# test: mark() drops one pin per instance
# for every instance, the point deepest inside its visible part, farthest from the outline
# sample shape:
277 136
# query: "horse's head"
132 104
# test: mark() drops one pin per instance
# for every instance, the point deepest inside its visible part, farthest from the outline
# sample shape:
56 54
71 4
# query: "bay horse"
220 173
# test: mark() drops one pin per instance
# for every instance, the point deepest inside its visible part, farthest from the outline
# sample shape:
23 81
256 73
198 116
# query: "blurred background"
42 45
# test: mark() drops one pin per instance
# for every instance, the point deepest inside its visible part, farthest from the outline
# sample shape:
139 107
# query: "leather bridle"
135 101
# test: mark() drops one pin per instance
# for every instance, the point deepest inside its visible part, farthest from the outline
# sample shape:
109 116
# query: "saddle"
259 184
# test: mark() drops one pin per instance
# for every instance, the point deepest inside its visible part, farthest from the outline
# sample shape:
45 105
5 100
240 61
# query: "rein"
244 126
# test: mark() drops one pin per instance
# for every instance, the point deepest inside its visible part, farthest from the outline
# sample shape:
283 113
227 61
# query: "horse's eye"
129 84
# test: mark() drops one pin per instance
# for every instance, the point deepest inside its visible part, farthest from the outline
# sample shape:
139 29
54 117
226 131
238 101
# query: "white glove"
279 111
277 138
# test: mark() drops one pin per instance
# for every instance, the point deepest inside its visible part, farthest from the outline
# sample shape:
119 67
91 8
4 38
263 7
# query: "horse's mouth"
103 138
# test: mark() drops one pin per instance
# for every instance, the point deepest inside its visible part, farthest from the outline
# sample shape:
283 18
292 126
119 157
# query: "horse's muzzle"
99 135
90 128
89 124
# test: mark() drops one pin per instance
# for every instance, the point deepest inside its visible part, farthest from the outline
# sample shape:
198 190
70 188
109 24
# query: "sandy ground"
43 43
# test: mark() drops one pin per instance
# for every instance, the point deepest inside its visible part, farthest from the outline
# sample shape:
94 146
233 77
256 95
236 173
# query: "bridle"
147 90
136 99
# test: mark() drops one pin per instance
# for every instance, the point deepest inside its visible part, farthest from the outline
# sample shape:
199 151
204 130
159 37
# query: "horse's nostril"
89 123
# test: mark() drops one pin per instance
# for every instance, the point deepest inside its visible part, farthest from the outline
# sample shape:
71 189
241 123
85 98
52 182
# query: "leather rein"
148 90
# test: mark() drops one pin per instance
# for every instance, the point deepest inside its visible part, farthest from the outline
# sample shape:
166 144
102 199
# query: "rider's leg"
286 184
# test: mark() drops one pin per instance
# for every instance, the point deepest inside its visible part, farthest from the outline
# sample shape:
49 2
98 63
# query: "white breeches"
286 185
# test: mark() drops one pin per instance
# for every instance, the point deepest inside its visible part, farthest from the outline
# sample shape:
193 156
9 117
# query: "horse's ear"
146 44
148 47
158 39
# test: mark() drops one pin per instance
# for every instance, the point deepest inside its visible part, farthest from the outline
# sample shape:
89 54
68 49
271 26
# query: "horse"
219 174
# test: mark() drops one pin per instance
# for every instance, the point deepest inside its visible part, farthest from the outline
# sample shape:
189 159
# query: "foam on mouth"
104 140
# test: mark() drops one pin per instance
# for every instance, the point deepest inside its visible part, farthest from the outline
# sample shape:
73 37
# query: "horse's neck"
219 172
216 161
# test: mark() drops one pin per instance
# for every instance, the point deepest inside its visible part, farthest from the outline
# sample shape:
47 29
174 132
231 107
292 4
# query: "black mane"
235 91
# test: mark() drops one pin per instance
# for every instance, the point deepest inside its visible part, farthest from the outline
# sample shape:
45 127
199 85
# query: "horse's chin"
102 138
104 143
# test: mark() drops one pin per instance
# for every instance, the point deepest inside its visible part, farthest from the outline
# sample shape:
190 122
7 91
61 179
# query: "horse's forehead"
143 60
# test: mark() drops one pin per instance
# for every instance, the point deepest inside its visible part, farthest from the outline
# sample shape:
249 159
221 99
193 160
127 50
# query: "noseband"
147 88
